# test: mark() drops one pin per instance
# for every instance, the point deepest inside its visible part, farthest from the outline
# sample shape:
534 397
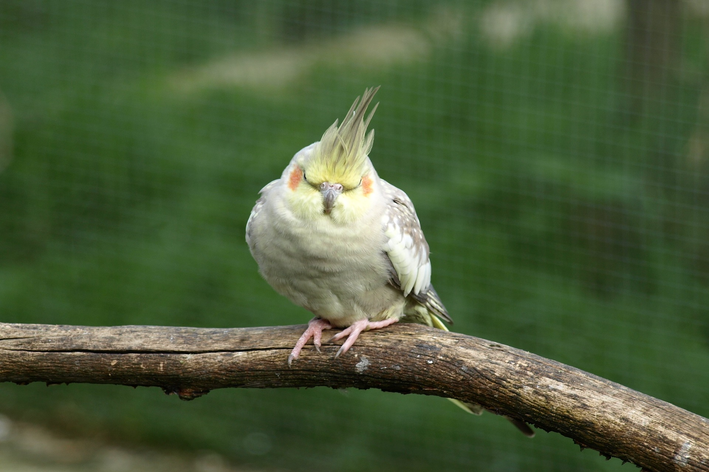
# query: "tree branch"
405 358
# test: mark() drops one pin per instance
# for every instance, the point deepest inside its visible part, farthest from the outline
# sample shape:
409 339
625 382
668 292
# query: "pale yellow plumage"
338 240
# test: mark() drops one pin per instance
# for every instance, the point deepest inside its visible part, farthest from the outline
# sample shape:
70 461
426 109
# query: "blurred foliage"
565 201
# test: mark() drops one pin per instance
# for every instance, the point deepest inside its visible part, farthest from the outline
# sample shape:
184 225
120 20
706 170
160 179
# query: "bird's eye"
304 177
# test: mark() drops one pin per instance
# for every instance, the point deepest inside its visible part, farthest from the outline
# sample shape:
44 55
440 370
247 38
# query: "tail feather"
433 304
475 409
522 426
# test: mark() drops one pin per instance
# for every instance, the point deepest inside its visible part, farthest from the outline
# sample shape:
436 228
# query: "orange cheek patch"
296 176
366 185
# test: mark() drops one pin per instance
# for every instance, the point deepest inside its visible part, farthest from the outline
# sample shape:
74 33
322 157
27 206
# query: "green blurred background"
557 152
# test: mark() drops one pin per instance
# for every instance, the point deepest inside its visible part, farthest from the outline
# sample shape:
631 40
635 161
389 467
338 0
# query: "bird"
345 244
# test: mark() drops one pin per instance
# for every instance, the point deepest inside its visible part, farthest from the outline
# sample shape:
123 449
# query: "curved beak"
330 192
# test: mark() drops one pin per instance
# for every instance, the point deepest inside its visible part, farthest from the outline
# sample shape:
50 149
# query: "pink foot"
357 327
315 329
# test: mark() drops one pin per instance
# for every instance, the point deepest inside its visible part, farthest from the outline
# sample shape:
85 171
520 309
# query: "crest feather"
341 154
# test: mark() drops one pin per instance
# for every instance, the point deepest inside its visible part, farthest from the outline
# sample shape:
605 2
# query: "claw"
354 331
314 330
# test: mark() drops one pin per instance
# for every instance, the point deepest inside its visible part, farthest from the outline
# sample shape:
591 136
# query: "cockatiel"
338 240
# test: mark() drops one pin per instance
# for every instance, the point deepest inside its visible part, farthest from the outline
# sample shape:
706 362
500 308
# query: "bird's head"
334 177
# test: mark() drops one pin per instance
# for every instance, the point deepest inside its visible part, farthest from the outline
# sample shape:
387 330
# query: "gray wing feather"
255 211
408 252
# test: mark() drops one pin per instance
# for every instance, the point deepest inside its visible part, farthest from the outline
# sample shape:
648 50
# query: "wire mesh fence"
556 152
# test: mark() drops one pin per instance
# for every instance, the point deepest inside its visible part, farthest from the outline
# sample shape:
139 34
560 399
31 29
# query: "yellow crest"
341 154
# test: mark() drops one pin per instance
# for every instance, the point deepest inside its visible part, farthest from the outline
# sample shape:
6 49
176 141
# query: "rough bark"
406 358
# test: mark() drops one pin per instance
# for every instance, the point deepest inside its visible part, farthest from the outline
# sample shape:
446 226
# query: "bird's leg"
357 327
315 329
